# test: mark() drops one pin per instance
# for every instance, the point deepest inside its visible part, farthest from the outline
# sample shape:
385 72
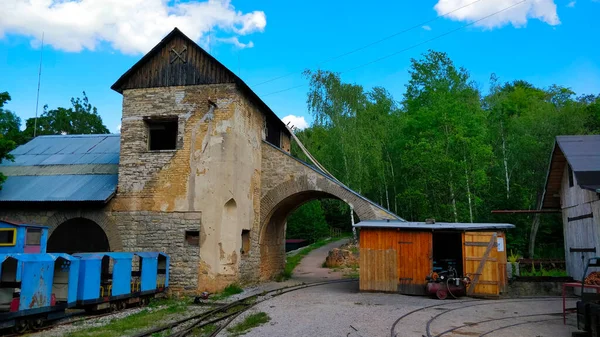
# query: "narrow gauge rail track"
86 317
469 304
229 312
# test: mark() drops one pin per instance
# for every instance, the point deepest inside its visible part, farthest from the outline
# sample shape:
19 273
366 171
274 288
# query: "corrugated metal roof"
583 154
434 226
62 168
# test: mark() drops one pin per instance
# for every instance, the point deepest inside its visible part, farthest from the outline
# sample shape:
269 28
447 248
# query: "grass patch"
292 261
230 290
251 321
140 320
206 330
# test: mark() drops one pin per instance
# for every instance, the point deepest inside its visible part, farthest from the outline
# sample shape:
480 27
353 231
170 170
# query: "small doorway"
448 252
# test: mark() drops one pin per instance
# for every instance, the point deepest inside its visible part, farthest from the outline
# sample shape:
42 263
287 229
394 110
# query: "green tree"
80 118
307 222
7 123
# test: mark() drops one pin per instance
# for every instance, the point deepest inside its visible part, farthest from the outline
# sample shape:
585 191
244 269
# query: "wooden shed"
573 188
397 256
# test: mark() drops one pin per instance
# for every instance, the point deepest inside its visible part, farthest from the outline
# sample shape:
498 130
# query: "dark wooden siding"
159 71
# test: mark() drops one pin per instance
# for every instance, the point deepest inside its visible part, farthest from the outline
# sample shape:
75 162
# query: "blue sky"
89 46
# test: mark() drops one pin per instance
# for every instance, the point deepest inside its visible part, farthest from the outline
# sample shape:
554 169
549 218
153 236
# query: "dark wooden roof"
178 61
582 153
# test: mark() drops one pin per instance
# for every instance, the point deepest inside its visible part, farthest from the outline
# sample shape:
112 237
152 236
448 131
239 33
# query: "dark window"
192 238
7 237
162 134
273 133
245 241
570 176
34 237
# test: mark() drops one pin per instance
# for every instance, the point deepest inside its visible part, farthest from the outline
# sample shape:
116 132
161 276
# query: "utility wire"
37 99
419 25
408 48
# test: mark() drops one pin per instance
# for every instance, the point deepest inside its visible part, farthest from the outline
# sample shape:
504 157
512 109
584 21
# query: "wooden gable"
175 61
551 198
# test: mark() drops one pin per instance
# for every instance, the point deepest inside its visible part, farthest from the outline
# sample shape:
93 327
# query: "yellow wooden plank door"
481 263
415 253
378 270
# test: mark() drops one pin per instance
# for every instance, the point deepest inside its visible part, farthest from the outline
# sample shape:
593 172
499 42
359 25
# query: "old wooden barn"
573 188
397 256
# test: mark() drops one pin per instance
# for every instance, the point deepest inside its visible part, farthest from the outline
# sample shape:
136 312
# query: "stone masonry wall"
214 172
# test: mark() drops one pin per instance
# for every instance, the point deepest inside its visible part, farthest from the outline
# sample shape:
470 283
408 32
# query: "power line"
409 48
37 99
419 25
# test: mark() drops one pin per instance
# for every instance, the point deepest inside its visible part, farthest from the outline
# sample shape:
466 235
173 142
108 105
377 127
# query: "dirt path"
310 268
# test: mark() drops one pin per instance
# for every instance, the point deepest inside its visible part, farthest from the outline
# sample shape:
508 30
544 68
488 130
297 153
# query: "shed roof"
582 153
71 168
11 223
435 226
229 76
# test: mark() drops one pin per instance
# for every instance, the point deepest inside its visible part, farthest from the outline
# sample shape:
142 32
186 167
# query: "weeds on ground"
251 321
543 272
230 290
206 330
140 320
292 261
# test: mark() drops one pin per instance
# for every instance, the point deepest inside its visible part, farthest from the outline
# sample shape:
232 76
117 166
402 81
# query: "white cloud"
426 27
118 128
236 42
571 4
295 121
543 10
130 26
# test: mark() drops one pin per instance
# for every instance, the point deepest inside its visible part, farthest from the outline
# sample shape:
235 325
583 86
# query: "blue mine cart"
37 287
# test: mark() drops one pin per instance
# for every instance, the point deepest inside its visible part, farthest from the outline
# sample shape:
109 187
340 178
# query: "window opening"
245 241
192 238
33 237
570 176
162 134
7 236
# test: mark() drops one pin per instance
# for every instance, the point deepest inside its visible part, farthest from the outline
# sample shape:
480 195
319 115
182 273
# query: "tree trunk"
453 199
468 190
505 160
354 235
534 229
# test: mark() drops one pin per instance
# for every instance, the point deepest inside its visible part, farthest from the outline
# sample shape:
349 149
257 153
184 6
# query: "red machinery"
447 282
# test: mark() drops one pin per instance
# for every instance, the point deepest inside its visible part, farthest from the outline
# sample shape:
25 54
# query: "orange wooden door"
415 254
481 263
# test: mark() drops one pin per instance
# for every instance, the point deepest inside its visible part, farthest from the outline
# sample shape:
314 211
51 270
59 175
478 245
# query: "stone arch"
282 200
78 235
99 218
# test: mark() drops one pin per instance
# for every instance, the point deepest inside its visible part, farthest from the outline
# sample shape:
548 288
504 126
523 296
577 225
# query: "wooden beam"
525 211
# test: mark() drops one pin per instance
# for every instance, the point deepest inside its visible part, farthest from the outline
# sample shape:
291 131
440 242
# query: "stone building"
201 170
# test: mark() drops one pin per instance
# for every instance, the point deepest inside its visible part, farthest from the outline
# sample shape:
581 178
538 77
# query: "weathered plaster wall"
215 172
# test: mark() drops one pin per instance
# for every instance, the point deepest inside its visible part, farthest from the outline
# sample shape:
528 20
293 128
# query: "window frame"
32 230
14 238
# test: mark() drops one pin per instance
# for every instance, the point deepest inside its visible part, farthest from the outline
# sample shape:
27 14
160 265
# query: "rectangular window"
162 133
273 133
8 236
34 237
570 175
192 238
245 241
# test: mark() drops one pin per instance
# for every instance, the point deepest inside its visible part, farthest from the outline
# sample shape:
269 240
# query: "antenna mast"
37 100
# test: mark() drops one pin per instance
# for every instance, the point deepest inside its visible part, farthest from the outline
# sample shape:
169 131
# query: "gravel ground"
341 310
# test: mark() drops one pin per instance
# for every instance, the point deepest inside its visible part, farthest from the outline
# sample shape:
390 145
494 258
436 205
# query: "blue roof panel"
99 187
49 175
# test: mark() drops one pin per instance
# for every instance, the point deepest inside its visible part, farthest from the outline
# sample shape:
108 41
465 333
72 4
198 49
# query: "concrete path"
310 268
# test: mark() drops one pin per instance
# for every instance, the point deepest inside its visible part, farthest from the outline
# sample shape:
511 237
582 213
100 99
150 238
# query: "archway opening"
311 222
78 235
